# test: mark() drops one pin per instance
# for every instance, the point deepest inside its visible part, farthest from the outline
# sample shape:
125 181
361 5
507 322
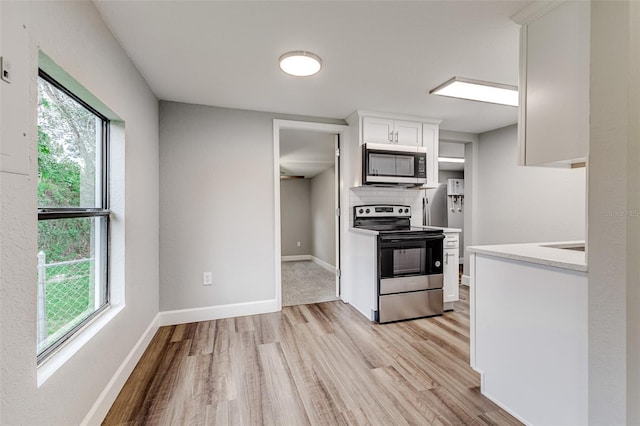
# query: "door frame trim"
342 130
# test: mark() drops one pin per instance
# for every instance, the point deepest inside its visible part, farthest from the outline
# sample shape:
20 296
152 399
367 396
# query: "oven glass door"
407 256
385 164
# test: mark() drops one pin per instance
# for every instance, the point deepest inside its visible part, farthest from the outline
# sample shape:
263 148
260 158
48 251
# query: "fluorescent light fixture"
477 90
450 160
300 63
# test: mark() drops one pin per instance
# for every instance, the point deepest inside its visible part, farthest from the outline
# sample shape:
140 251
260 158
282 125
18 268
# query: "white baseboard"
466 279
209 313
324 264
505 407
101 407
295 258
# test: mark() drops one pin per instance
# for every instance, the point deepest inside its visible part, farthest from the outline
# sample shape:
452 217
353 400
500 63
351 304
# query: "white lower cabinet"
451 259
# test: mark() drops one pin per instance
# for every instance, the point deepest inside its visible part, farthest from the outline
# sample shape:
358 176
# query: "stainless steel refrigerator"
444 206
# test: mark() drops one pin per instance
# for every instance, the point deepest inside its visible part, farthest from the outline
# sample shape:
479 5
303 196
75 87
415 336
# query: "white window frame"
101 211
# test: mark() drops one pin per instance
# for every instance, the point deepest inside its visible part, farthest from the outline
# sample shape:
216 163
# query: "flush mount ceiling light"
300 63
450 160
476 90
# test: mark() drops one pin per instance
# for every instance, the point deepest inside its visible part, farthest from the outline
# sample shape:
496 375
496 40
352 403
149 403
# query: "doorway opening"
444 204
308 190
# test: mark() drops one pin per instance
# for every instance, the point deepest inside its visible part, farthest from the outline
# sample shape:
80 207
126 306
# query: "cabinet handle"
391 136
446 258
396 137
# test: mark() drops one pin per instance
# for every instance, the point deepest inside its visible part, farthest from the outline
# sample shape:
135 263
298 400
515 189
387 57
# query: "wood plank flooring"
319 364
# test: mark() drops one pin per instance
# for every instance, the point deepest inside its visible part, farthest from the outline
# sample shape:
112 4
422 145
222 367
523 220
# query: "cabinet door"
377 130
408 133
430 140
450 271
556 66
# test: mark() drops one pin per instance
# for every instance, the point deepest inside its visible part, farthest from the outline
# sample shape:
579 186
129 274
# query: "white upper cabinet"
554 82
377 130
383 130
431 141
377 127
408 133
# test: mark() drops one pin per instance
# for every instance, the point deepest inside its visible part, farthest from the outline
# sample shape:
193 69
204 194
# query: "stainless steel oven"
409 263
410 275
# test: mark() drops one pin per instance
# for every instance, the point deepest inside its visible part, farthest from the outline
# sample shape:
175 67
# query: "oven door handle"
401 238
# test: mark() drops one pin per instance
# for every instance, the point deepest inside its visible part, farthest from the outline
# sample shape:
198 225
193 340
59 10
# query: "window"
73 214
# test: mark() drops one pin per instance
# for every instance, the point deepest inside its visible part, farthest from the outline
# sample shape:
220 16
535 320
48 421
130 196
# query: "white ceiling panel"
377 55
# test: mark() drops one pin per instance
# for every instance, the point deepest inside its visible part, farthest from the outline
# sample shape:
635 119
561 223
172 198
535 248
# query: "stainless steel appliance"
444 206
396 165
409 264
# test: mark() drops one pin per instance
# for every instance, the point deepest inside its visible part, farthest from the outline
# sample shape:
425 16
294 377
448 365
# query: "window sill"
67 350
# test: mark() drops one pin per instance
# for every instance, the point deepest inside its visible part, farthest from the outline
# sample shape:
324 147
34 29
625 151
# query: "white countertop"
363 231
443 229
538 253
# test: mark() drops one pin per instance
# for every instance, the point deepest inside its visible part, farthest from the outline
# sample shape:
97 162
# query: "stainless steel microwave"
397 165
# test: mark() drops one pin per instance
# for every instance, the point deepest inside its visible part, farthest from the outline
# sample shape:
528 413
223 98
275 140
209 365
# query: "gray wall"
74 36
307 213
517 204
443 175
295 217
323 216
217 205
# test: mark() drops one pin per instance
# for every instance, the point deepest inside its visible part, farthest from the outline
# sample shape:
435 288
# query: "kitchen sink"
570 246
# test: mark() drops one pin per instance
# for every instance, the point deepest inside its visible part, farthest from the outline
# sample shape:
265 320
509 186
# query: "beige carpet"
305 282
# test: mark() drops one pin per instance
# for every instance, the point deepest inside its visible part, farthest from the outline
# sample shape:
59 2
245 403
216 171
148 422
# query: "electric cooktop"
387 218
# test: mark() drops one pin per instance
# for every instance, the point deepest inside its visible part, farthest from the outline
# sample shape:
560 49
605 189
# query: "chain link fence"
66 296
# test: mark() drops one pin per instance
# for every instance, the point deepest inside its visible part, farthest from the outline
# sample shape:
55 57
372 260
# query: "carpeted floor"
305 282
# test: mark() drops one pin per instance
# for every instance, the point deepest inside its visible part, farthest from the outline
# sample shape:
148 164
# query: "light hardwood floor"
321 364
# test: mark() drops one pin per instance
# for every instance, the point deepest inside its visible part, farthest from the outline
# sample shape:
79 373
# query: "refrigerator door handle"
426 212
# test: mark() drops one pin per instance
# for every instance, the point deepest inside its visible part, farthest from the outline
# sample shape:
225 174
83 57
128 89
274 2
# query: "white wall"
633 224
517 204
613 237
73 35
217 205
450 149
362 195
444 175
323 216
295 217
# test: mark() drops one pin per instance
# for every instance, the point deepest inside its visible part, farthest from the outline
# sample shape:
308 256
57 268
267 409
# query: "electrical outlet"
207 278
298 243
5 69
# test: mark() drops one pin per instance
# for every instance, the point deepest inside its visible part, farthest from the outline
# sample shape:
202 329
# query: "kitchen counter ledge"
538 253
371 232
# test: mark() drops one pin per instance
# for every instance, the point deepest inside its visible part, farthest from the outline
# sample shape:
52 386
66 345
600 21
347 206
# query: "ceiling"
306 153
377 55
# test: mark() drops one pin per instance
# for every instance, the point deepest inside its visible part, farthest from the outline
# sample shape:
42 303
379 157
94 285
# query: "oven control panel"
382 210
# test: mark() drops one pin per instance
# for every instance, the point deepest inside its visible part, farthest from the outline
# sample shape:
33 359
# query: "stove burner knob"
406 210
360 211
368 211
